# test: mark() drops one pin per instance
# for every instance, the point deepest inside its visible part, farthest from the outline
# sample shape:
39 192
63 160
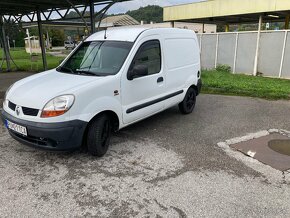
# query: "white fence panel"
226 49
208 48
271 46
238 50
246 52
286 60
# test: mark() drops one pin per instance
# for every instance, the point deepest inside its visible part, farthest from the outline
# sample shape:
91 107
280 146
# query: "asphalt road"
166 166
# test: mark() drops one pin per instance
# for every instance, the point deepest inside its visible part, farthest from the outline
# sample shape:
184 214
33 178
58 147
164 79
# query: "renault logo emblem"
17 110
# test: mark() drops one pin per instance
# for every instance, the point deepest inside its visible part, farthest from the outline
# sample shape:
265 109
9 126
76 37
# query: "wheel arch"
113 117
195 89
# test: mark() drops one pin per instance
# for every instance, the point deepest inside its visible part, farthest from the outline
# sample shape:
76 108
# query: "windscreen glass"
99 58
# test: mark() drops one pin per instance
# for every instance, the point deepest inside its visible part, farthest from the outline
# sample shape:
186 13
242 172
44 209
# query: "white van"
111 80
69 45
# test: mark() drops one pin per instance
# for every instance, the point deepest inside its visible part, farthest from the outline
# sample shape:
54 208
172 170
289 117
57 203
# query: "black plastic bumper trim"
59 136
141 106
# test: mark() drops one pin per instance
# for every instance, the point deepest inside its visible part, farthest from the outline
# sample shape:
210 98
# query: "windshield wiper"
85 72
65 69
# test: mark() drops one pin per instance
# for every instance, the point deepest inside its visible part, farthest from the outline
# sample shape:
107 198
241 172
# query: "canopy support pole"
41 41
287 19
92 17
5 45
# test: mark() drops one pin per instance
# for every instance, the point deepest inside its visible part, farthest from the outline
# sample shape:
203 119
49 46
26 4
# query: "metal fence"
239 50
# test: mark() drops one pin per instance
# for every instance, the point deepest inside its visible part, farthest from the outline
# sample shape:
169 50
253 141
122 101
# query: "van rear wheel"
99 134
188 103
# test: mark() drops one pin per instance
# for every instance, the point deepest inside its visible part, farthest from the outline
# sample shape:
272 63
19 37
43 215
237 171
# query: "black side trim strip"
138 107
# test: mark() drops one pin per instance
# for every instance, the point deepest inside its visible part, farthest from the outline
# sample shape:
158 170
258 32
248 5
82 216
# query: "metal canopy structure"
16 7
48 11
230 11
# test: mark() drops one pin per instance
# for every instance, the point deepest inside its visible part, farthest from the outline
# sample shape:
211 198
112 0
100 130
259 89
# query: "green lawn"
217 82
23 61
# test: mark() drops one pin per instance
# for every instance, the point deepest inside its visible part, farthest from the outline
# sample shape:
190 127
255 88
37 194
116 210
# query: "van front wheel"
188 103
99 134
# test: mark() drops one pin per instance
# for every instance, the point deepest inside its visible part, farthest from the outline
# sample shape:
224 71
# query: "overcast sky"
133 5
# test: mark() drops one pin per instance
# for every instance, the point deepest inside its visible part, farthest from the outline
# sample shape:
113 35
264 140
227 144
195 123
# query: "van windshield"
97 58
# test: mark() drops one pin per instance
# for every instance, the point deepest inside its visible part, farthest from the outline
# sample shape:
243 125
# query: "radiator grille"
11 105
29 111
26 110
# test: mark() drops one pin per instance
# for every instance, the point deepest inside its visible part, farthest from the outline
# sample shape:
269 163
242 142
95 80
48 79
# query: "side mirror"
137 71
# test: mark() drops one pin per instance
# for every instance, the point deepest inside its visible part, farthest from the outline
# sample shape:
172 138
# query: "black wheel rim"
105 133
190 101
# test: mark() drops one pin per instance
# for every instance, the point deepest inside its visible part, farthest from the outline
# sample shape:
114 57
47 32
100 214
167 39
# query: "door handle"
160 80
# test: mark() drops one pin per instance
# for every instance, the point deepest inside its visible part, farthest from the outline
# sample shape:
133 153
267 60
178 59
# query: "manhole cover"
280 146
272 149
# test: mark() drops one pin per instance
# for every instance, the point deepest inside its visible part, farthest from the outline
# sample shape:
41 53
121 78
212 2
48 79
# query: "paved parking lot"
166 166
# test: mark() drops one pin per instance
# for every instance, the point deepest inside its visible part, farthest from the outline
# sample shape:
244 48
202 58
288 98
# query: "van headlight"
57 106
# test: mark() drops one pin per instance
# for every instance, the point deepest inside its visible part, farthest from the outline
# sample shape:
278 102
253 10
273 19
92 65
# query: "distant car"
69 45
112 80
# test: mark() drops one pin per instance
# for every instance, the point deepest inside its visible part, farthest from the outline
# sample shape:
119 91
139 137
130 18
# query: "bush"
224 68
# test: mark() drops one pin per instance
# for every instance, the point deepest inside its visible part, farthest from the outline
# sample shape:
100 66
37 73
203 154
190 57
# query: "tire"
188 103
99 134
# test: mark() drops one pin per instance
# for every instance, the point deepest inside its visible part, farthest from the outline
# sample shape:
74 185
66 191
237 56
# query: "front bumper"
59 136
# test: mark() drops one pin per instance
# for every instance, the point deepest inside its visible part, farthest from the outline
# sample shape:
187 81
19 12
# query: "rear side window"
149 54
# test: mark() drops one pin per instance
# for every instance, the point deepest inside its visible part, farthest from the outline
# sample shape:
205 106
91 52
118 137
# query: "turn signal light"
46 114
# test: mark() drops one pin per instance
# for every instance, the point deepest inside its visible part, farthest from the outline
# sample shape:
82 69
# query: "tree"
58 37
15 32
149 13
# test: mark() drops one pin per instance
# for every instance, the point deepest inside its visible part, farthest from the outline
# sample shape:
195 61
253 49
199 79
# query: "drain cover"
273 150
280 146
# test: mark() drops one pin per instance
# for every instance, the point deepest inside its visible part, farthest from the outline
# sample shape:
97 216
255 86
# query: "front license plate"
16 128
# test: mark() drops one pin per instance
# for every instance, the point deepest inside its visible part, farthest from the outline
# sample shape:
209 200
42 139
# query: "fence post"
258 46
283 53
236 52
216 50
200 49
200 41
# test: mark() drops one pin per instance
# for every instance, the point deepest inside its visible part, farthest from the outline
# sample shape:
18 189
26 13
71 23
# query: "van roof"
130 34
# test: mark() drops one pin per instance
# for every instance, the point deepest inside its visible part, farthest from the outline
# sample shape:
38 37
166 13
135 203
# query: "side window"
149 54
